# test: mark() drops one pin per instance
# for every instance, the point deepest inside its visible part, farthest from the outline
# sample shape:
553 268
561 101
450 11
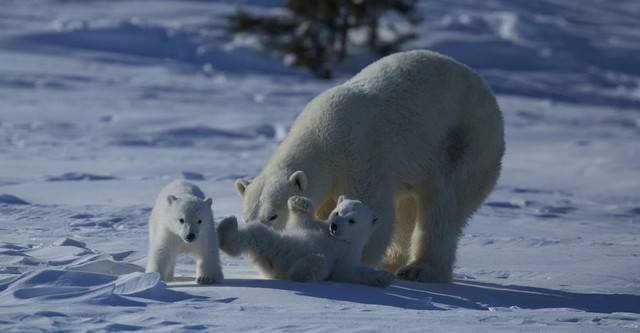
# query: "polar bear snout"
333 229
190 237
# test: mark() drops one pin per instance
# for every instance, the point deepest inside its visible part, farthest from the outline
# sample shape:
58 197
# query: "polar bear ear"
208 201
299 178
241 186
171 199
341 198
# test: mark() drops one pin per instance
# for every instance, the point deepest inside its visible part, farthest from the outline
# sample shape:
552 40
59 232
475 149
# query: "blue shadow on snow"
463 294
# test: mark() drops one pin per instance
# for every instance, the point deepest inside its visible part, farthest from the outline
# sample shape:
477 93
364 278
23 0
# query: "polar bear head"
351 221
265 200
188 217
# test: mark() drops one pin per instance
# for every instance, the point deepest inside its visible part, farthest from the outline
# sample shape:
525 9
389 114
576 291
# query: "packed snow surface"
104 102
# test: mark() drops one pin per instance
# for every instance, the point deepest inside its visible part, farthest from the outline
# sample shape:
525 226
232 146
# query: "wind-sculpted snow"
136 38
542 48
11 200
102 103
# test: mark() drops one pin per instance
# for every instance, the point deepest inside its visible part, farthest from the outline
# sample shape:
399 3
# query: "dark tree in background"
318 33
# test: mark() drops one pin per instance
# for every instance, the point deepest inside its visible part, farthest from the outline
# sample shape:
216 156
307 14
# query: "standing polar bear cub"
311 254
181 221
416 136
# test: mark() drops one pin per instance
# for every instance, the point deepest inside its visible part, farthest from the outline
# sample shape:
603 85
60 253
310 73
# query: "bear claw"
385 279
409 273
206 280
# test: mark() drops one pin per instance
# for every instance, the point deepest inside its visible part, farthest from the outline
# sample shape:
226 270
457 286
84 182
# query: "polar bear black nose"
190 237
333 227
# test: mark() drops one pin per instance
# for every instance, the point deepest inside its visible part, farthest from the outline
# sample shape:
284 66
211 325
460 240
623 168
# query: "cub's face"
351 221
265 200
187 218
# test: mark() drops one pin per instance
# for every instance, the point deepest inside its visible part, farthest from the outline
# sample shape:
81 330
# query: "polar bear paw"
422 274
409 273
384 279
299 204
208 280
229 225
227 231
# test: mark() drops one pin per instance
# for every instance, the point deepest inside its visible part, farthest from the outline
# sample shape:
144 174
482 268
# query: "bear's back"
416 70
397 112
416 93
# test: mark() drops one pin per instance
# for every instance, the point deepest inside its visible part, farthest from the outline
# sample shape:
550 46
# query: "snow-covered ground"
104 102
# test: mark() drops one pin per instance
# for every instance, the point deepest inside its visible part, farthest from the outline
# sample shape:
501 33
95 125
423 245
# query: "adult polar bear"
416 136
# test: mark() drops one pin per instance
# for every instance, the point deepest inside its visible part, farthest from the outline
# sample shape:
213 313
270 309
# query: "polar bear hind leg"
435 237
398 251
442 212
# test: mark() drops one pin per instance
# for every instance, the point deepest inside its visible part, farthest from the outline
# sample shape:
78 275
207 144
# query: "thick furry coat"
416 136
312 254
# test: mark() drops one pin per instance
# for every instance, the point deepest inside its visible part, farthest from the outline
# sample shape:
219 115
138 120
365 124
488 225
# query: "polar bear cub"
181 222
309 254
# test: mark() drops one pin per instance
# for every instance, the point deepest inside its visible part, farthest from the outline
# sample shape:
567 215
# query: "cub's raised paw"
228 240
228 224
299 204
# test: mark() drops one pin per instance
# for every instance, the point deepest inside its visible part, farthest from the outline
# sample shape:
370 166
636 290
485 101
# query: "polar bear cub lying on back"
309 253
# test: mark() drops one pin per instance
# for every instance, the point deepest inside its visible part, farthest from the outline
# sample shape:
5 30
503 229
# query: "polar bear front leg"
207 257
434 240
310 268
162 255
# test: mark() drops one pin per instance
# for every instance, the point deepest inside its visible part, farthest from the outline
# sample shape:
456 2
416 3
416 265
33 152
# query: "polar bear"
181 221
416 136
308 255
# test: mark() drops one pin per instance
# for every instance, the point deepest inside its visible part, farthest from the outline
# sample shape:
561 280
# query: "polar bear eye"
199 221
352 221
273 217
181 221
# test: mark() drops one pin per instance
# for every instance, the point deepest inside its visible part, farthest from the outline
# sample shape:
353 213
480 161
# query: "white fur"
416 136
180 212
301 216
309 254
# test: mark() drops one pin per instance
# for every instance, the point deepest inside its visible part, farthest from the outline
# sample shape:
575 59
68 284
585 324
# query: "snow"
104 102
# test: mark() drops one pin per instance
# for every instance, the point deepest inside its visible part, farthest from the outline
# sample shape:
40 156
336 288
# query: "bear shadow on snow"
463 294
482 295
